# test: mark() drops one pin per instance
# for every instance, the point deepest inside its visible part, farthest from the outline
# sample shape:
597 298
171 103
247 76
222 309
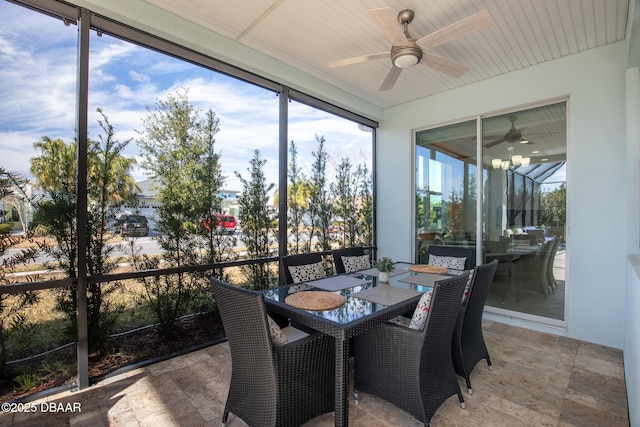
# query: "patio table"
359 313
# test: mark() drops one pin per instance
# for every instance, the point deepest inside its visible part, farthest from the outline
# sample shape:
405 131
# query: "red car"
226 224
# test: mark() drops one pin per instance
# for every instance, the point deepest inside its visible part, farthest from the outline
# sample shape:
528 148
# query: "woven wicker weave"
413 369
468 342
271 385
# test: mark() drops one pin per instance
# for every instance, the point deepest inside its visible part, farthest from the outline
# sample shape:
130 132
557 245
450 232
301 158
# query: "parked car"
133 225
226 224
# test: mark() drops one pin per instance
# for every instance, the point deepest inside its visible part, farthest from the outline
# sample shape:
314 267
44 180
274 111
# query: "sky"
38 86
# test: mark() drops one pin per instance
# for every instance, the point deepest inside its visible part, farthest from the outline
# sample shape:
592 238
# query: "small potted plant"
384 266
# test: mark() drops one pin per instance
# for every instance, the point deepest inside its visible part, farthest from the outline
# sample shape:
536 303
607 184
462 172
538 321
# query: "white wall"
595 82
632 340
631 349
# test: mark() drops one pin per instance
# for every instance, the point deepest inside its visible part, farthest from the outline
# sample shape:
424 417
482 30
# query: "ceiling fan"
406 51
513 135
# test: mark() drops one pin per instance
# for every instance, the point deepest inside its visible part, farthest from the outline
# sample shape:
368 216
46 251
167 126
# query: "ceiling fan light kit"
406 56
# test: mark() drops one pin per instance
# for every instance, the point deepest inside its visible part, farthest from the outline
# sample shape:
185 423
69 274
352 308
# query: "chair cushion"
419 318
293 334
465 294
452 262
305 273
356 263
278 338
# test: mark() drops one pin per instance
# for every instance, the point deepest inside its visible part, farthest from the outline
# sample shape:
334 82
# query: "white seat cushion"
292 334
306 273
356 263
419 318
465 295
451 262
277 335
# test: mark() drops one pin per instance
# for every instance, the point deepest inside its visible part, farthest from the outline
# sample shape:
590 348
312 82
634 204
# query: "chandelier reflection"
514 160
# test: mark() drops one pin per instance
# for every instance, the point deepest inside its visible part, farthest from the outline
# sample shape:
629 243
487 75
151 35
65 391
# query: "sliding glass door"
521 221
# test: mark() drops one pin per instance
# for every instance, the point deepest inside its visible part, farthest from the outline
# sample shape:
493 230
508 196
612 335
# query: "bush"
5 228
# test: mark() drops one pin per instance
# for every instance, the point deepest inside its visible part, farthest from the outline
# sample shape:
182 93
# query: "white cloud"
138 77
38 84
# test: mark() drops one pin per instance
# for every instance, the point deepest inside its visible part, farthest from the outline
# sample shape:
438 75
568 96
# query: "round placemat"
426 268
315 300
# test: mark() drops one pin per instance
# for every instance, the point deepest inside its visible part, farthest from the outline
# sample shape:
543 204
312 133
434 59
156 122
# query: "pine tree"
320 199
255 220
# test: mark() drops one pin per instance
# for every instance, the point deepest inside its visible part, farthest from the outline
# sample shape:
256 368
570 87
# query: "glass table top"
362 299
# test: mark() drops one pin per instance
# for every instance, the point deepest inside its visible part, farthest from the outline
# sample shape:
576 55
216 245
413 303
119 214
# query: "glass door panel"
446 196
524 159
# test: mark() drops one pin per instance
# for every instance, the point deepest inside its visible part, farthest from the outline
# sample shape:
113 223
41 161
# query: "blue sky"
38 84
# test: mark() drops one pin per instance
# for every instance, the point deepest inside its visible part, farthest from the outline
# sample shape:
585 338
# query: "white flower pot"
383 276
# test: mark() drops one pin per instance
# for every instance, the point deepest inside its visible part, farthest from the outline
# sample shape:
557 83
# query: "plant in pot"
384 266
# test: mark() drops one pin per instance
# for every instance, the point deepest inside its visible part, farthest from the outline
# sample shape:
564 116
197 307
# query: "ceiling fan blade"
357 59
387 21
390 79
493 143
456 30
444 65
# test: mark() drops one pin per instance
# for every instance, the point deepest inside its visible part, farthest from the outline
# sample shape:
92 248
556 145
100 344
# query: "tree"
207 200
177 147
365 213
320 199
254 216
553 210
12 308
109 184
296 199
55 168
345 190
55 173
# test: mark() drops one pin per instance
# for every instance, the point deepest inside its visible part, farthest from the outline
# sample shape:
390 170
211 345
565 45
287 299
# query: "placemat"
315 300
374 272
386 294
336 283
428 268
424 279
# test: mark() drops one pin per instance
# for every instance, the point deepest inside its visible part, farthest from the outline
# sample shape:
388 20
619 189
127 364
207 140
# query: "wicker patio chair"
530 272
349 252
454 251
297 260
409 368
468 345
272 385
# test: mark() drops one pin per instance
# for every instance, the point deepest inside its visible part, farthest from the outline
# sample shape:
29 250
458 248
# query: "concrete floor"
538 380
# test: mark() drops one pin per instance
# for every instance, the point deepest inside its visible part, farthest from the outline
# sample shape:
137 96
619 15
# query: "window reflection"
523 202
446 182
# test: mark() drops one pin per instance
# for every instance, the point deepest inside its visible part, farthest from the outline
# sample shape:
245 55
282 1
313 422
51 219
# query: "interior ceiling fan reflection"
407 51
513 135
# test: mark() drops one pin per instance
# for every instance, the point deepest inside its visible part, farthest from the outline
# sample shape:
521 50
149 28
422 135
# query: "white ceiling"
307 34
